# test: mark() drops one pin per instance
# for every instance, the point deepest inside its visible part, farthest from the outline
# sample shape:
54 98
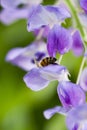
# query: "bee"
46 61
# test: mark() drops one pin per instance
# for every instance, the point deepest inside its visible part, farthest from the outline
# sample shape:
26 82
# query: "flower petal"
10 3
15 3
54 72
59 40
60 11
77 46
24 57
50 112
70 94
39 78
77 118
83 79
83 4
35 81
45 31
8 16
41 16
37 18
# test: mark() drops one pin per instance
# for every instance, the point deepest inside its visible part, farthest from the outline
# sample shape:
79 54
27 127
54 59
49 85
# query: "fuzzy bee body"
48 60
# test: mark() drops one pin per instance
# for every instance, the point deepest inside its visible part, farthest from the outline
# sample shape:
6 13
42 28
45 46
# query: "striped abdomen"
48 60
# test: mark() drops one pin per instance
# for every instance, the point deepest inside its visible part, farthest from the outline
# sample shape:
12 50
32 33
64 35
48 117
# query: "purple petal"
59 40
77 118
54 72
37 18
50 112
41 16
8 16
70 94
77 46
83 19
10 3
83 79
60 11
38 79
24 57
15 3
34 80
83 4
45 31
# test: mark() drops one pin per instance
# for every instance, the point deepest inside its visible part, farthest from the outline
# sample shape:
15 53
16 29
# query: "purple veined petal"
60 10
59 40
38 79
83 79
16 57
8 16
38 18
34 80
41 16
58 109
77 118
83 4
54 72
77 46
45 31
24 57
70 94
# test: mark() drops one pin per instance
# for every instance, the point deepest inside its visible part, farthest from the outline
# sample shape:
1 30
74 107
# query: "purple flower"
15 3
83 79
59 40
83 4
41 16
8 16
45 31
70 94
77 118
11 12
10 3
58 109
77 46
24 57
38 78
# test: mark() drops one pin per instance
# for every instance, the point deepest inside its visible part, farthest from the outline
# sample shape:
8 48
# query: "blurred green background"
20 107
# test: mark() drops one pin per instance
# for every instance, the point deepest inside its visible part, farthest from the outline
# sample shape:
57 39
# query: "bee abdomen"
48 60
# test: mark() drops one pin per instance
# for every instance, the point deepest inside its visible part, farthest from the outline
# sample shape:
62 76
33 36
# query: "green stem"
80 71
75 17
60 59
80 27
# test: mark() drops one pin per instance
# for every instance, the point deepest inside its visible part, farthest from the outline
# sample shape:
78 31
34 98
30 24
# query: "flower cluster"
52 39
